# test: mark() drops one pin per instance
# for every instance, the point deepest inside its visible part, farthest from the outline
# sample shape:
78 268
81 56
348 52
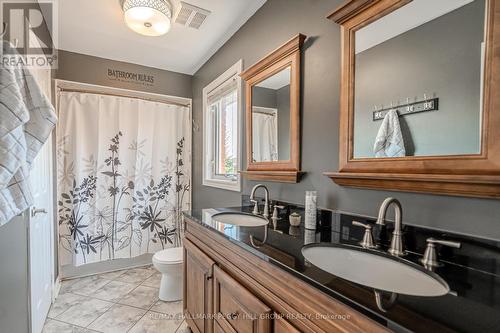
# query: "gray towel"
26 120
389 141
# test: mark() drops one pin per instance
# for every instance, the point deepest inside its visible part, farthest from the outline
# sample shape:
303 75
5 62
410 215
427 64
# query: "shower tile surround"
114 305
473 272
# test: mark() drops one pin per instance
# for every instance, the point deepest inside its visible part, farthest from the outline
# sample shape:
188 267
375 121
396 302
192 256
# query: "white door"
41 265
41 223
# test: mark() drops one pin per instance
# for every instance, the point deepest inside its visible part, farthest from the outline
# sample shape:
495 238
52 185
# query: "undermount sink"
240 219
376 270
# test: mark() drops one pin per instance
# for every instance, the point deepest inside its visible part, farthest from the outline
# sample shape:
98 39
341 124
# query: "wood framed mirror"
272 113
420 96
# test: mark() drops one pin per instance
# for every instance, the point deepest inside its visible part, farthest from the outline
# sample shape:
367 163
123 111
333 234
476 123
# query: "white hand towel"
389 141
26 121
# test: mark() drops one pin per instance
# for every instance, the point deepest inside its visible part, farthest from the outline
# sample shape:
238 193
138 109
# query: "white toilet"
169 263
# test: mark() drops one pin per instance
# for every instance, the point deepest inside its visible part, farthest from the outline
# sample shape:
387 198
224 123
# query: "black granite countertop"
472 272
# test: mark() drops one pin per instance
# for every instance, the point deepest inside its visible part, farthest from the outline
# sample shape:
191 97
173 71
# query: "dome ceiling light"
148 17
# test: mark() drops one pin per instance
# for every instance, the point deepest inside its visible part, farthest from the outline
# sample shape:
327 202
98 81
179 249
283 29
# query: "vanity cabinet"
228 289
198 288
282 326
236 309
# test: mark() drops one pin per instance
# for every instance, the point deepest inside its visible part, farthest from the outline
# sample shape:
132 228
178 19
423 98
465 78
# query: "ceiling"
404 19
96 27
277 81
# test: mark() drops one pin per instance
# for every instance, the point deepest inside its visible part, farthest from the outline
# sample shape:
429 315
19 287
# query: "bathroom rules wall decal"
131 77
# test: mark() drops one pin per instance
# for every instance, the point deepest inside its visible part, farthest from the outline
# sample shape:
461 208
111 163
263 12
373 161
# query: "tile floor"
116 302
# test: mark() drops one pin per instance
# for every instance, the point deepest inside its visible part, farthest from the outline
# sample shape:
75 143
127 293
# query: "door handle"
35 211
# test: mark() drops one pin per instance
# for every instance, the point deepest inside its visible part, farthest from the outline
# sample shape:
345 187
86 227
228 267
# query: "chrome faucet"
265 213
396 248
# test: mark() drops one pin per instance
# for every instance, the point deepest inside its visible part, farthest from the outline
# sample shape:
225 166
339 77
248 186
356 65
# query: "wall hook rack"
408 108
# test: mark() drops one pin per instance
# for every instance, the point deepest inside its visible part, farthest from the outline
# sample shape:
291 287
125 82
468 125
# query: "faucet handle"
255 207
275 210
367 242
430 259
456 245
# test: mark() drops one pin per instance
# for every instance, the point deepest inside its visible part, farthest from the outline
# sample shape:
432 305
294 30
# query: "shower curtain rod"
88 91
266 113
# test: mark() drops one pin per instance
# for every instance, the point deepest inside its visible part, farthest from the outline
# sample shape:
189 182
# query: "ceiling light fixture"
148 17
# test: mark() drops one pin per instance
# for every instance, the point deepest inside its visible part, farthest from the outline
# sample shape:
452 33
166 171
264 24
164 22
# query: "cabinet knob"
233 315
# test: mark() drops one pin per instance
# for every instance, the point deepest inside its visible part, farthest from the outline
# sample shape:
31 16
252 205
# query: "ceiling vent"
190 15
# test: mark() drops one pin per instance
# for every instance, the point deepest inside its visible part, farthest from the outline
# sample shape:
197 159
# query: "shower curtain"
264 136
124 176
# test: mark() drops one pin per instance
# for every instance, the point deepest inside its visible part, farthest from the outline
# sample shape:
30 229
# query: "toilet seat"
172 256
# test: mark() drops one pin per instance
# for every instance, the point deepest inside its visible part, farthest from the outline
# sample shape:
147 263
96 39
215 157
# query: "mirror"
418 81
423 75
271 118
272 102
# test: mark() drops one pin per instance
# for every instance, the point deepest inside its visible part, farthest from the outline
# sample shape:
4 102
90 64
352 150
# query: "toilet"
169 263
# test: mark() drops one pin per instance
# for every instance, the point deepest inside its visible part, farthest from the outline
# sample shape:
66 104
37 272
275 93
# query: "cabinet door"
236 309
217 328
282 326
198 289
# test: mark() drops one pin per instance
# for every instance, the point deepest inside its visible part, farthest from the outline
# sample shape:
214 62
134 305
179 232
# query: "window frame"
210 177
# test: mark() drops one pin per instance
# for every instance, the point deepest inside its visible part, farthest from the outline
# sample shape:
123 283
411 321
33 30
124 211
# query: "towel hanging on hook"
389 141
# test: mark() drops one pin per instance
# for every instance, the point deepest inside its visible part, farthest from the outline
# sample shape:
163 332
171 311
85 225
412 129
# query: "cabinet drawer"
236 309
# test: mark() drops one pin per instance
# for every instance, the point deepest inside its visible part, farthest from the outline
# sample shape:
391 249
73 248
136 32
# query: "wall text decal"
131 77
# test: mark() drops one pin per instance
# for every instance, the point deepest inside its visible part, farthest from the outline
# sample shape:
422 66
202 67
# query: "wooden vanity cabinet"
229 290
282 326
198 289
236 309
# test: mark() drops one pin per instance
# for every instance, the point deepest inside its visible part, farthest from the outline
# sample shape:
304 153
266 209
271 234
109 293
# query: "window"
221 125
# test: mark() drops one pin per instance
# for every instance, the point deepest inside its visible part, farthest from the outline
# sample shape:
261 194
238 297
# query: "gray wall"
94 70
276 22
283 102
441 58
264 97
14 312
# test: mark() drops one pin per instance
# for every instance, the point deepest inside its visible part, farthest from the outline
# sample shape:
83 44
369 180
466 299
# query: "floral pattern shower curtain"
124 176
265 136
